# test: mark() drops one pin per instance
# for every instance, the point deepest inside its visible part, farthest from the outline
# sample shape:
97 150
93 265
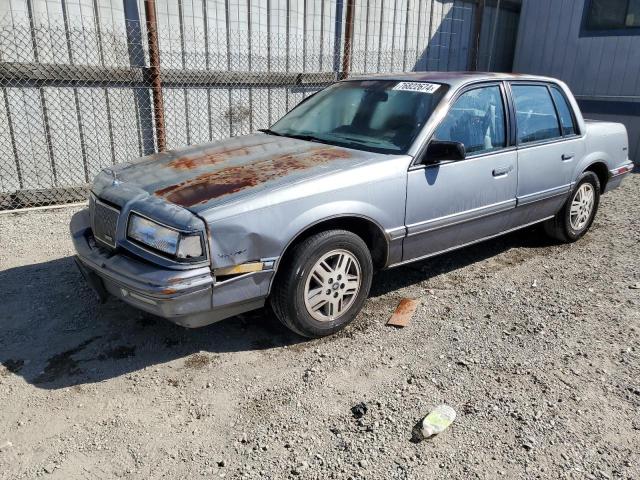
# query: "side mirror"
440 150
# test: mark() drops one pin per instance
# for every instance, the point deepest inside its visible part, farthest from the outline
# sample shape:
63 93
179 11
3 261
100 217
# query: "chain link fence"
78 94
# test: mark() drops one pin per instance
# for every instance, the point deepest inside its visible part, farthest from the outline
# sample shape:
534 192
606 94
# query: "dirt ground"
536 346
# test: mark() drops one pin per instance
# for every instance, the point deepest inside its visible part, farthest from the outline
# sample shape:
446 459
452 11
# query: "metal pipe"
366 36
287 43
321 35
393 33
406 37
206 63
12 136
380 35
154 73
32 30
348 39
337 37
183 57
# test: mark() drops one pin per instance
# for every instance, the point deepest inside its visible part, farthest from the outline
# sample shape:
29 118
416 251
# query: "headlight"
166 240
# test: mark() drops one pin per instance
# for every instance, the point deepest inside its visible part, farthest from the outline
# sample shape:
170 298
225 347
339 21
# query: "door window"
536 117
477 120
566 118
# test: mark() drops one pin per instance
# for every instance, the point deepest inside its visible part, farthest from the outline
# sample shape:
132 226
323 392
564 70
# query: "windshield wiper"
309 138
270 132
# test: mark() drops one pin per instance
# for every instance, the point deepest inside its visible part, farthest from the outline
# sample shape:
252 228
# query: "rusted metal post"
154 73
477 30
348 39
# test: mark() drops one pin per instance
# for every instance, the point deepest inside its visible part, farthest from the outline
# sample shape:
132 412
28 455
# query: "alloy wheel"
332 285
582 206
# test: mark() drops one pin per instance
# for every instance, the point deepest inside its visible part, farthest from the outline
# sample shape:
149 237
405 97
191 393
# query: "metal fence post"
154 73
337 38
348 39
136 60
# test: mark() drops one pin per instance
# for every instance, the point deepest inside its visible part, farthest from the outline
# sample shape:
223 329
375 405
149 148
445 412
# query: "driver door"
453 203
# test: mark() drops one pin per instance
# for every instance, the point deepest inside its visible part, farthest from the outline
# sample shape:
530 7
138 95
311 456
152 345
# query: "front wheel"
323 283
577 214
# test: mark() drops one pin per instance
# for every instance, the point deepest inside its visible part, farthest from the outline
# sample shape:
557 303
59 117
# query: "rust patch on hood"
213 156
230 180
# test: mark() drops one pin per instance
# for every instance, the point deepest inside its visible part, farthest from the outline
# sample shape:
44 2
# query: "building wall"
602 71
497 38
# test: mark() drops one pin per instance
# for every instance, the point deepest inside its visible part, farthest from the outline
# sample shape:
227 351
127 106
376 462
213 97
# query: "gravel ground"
536 346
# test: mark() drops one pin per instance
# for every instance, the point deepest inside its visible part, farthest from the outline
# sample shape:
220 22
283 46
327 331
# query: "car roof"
454 79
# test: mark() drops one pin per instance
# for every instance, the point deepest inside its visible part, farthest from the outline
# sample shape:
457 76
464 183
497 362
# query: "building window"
611 17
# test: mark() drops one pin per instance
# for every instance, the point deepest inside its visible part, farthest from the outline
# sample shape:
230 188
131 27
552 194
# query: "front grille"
104 220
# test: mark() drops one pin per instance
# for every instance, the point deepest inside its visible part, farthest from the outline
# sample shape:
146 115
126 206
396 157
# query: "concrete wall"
602 71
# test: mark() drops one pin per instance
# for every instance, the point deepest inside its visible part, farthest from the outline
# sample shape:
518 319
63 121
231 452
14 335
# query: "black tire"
287 295
559 227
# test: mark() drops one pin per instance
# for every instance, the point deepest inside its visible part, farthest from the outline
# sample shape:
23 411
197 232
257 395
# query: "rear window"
536 118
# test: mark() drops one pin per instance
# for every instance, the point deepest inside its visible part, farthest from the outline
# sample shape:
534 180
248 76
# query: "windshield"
376 115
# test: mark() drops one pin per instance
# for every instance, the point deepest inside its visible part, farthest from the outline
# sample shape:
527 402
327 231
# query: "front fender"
263 230
260 235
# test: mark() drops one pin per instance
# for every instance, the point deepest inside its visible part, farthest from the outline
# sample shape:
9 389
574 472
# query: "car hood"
203 176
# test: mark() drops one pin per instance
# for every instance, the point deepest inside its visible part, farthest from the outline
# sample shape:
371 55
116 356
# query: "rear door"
548 148
453 203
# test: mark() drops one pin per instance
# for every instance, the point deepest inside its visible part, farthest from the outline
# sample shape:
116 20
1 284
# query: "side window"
535 114
564 110
477 120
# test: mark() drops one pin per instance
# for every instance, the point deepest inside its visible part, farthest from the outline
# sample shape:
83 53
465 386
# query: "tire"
303 275
567 229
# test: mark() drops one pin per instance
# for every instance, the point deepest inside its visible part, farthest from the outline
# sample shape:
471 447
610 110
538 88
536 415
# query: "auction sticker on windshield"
421 87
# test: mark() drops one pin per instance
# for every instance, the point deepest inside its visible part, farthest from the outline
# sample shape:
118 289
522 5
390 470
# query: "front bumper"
190 298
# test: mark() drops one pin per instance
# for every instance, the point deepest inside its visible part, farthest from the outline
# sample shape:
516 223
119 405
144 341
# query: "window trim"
509 146
574 120
610 32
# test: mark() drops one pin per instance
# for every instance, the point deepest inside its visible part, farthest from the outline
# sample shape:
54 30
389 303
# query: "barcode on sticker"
421 87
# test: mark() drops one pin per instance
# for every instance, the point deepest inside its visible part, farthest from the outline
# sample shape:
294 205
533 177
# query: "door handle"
501 172
567 156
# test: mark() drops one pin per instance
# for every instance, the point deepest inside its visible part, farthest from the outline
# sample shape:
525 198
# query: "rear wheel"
577 214
323 283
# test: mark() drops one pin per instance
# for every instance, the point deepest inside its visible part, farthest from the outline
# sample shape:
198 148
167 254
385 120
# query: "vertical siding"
497 49
603 68
549 43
